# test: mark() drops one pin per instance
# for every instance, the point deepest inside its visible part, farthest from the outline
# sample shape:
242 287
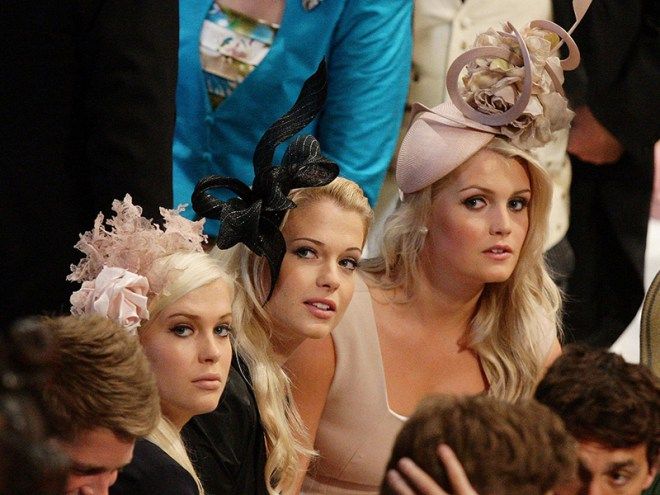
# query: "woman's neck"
177 418
283 347
434 298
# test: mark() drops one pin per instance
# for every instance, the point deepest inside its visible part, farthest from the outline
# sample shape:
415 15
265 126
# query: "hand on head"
408 472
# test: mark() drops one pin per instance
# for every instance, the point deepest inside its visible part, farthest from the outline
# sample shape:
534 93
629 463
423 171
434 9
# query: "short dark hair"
604 399
102 379
520 448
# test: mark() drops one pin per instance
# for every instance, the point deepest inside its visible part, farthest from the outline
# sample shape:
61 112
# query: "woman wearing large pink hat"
459 300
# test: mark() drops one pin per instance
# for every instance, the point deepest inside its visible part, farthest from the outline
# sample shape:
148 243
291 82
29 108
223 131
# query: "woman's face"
479 220
189 350
317 277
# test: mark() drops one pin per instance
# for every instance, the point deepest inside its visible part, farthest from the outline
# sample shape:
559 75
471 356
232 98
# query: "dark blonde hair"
505 448
101 379
516 320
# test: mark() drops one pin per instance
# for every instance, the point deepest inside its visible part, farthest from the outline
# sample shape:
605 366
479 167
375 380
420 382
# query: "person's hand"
590 141
423 483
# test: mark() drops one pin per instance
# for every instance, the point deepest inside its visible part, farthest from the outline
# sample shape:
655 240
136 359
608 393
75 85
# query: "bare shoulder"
311 369
313 360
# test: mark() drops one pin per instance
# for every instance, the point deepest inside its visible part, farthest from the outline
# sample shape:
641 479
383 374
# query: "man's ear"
653 471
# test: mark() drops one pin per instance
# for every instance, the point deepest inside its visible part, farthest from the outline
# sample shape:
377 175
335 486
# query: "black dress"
227 446
153 471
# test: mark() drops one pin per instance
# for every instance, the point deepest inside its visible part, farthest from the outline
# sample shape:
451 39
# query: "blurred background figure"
29 464
87 99
242 62
611 141
504 448
101 398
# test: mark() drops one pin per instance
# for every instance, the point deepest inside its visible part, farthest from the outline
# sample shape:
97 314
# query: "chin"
498 277
206 405
317 332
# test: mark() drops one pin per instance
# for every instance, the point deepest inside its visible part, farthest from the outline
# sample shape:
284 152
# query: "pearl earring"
424 230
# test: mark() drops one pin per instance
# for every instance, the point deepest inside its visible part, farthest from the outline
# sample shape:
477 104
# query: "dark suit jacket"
87 106
618 81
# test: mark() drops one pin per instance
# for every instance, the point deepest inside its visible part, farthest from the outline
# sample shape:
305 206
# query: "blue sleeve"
369 71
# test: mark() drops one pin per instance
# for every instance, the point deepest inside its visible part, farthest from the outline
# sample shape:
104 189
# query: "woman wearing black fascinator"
459 300
293 242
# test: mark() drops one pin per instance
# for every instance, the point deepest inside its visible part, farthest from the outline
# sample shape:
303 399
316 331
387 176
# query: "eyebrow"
319 243
490 191
196 317
620 465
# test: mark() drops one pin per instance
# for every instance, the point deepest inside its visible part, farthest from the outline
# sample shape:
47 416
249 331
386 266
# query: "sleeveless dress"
357 428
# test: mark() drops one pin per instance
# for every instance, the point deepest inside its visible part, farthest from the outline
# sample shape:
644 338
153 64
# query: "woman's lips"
321 308
499 252
208 382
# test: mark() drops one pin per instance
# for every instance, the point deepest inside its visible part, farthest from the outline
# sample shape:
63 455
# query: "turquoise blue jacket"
367 44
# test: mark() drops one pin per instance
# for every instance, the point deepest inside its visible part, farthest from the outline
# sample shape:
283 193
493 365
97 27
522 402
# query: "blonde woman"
296 267
459 301
161 286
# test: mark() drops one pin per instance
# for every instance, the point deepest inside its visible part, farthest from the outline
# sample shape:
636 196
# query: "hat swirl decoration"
254 216
115 272
512 88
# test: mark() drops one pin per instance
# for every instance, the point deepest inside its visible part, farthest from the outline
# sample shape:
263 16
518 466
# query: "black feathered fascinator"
254 216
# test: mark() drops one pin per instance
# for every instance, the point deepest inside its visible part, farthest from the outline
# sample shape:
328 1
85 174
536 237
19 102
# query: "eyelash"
302 252
470 203
348 263
225 330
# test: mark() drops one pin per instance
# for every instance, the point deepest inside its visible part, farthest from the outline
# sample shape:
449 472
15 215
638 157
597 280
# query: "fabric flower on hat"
116 294
120 251
492 85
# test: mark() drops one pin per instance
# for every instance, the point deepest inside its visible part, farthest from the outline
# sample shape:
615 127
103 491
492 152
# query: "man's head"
612 408
504 448
101 398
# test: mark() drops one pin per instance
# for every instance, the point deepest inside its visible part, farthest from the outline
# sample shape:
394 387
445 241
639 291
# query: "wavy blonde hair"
282 424
179 274
510 328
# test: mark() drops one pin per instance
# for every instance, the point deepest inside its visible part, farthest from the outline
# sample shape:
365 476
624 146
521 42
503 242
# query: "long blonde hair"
510 328
282 424
177 275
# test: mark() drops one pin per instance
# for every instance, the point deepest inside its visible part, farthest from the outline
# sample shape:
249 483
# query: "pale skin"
189 349
317 276
483 206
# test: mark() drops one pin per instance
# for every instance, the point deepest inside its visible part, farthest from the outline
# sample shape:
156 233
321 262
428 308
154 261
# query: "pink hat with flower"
116 274
512 89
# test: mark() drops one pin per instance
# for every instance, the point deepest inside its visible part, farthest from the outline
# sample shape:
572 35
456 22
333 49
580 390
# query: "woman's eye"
349 263
518 204
474 203
224 330
305 252
181 330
